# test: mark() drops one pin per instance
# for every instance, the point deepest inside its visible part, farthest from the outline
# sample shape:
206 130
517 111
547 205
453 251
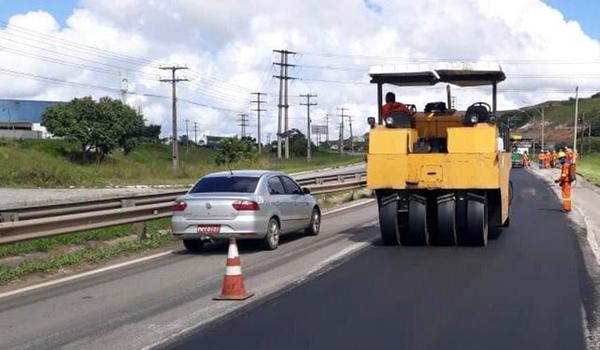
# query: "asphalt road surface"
528 289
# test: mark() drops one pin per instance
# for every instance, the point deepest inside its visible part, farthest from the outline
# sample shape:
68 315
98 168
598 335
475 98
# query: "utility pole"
187 137
283 84
576 112
308 104
351 135
268 138
243 123
196 133
173 80
342 110
258 109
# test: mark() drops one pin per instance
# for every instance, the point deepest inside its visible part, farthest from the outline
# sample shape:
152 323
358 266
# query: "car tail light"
245 205
179 206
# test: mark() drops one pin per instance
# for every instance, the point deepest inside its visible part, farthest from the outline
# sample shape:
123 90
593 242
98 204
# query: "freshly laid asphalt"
526 290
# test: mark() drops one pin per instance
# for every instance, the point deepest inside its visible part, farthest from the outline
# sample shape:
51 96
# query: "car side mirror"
306 190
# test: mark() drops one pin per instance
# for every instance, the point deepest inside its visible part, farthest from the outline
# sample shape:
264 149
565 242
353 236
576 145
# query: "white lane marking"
84 274
131 262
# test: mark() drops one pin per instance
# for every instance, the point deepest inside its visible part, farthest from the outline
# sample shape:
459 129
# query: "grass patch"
89 255
47 244
56 163
589 166
332 200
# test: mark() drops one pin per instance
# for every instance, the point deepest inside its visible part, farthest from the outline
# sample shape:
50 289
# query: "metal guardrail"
21 224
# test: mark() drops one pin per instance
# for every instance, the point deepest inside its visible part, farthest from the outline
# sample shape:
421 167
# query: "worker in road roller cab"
565 180
392 106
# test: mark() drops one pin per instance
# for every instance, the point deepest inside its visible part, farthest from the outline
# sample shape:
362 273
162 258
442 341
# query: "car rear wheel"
271 240
315 223
193 245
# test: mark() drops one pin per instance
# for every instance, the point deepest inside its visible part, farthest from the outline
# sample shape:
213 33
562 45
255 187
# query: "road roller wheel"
388 221
446 221
477 221
417 232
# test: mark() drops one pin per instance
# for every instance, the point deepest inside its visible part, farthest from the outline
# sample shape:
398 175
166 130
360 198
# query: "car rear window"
240 184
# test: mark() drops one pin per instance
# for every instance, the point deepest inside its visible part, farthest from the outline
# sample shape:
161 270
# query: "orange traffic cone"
233 283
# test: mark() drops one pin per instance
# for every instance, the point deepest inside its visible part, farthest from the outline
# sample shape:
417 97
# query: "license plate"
209 229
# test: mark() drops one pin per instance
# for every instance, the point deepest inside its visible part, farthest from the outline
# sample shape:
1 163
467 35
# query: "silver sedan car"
249 204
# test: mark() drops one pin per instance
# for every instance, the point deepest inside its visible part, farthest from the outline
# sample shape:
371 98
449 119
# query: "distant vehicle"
517 159
250 204
517 156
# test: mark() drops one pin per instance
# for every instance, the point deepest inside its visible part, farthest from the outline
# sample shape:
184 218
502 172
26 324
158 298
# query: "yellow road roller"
441 176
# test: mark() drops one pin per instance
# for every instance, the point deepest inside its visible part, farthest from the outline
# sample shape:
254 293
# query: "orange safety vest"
565 174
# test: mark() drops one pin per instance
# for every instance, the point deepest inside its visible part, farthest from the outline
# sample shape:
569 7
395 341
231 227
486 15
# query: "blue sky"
60 9
583 11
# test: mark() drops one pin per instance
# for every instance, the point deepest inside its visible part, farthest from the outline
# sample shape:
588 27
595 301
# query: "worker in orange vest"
542 159
553 159
565 180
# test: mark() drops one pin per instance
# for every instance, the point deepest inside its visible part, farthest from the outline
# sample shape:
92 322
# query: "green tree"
151 133
594 120
97 127
298 143
233 150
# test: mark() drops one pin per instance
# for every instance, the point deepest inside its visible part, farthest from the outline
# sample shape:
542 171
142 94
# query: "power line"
456 59
54 60
105 88
69 44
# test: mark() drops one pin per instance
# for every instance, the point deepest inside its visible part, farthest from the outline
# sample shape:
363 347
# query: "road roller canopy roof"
475 74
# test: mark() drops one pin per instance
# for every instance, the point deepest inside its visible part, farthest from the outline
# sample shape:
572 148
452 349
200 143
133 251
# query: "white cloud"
228 47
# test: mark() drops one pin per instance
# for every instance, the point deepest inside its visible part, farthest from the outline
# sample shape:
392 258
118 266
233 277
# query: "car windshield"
242 184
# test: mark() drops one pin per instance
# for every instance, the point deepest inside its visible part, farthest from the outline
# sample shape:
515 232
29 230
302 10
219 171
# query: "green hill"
56 163
559 117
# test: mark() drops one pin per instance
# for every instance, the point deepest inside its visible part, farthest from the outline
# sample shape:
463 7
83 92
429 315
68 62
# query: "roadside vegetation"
57 163
589 166
71 251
